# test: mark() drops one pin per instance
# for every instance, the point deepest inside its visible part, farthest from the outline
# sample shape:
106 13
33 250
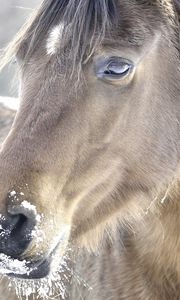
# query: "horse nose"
16 230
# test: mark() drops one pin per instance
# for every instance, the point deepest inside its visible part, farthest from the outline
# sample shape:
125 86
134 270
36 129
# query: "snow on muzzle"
39 266
23 269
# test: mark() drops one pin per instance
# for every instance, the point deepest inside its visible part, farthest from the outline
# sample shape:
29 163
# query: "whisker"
21 7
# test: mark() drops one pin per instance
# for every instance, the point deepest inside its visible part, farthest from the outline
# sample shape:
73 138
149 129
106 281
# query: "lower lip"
38 270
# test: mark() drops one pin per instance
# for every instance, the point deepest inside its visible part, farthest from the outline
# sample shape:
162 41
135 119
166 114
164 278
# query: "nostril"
25 220
19 225
16 230
23 212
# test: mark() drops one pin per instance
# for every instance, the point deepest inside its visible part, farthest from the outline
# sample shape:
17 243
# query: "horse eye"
114 68
117 68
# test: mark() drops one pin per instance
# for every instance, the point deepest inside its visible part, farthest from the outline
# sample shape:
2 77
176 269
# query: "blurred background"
13 13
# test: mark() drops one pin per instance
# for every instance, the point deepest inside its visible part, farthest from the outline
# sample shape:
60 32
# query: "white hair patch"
53 41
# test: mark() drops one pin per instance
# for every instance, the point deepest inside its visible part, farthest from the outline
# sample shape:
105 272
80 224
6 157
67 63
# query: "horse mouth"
30 269
36 270
24 269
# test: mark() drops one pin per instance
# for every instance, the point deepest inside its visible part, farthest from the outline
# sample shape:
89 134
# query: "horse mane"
86 22
85 25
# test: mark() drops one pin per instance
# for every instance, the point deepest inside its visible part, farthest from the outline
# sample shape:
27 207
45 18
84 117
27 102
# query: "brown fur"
100 158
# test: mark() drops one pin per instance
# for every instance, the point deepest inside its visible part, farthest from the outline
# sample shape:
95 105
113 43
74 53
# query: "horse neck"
157 242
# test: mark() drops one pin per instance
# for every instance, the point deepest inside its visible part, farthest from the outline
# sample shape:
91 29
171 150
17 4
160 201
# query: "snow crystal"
9 265
31 207
38 234
13 193
38 218
2 217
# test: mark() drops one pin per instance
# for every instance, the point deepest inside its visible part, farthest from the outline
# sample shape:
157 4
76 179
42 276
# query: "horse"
89 173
